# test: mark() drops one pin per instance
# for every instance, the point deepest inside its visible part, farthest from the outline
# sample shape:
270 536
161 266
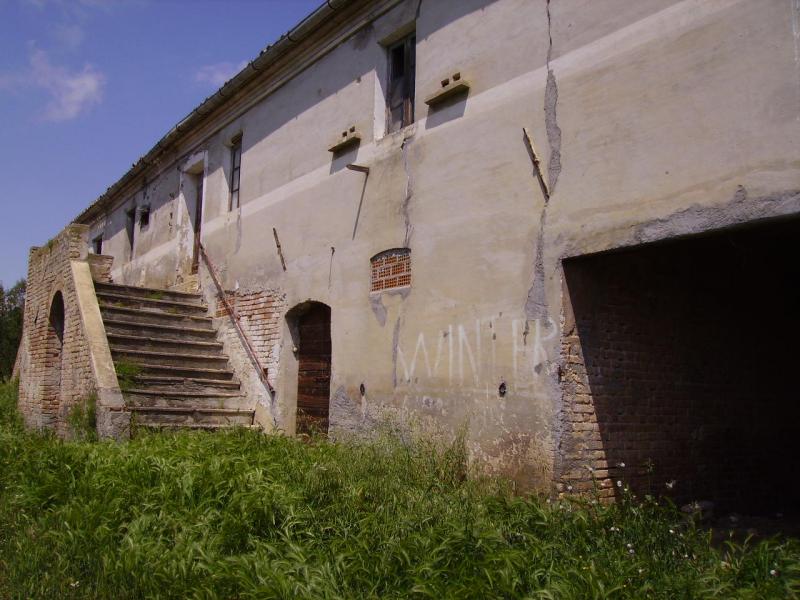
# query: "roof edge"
267 56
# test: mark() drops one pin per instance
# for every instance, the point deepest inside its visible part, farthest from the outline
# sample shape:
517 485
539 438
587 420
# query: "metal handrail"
262 371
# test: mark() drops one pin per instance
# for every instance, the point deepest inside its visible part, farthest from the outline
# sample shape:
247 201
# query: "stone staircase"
171 367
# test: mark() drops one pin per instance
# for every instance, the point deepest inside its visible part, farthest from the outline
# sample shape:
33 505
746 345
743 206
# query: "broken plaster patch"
551 122
698 219
378 309
409 193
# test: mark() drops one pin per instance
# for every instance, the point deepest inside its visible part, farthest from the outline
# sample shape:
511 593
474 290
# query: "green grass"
243 515
127 372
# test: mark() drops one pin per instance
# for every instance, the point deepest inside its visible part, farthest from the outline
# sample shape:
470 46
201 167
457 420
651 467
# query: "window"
97 244
236 167
391 269
400 97
144 217
130 225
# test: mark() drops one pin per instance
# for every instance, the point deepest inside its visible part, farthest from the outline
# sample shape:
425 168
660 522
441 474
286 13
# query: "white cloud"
70 92
69 35
218 73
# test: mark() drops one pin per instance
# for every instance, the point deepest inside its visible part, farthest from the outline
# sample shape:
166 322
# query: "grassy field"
242 515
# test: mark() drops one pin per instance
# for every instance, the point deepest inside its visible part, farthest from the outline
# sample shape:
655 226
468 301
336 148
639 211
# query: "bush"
240 514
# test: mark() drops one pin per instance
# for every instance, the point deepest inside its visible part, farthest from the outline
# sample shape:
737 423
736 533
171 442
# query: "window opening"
236 167
400 98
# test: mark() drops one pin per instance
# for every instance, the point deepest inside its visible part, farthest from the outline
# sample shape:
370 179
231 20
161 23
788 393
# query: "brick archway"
54 350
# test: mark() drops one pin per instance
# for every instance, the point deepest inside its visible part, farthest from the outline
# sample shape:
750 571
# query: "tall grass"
243 515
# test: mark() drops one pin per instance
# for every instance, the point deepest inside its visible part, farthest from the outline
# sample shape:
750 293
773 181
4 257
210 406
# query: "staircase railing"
263 373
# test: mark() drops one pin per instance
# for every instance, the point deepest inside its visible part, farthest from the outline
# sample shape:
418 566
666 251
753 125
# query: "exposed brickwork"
55 371
670 371
391 269
101 264
260 313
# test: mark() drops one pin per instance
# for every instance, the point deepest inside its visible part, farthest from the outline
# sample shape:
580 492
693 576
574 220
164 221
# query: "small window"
236 167
130 226
97 244
144 217
400 97
391 269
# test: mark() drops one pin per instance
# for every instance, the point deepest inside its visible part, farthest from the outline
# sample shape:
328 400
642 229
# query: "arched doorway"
314 367
53 358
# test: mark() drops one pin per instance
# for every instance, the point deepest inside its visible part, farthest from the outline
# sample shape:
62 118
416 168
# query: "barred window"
391 269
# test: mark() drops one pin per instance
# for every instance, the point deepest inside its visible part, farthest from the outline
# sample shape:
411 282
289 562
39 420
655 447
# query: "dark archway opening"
53 360
689 349
313 342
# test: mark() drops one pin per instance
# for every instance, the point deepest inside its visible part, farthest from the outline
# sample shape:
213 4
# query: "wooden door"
197 224
314 369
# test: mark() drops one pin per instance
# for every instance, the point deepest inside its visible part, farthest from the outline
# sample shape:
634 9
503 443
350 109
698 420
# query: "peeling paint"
699 219
409 193
395 343
551 122
536 303
378 309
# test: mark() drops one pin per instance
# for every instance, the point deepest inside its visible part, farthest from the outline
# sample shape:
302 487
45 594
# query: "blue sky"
88 86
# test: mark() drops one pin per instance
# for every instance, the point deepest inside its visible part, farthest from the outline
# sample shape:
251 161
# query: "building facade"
544 221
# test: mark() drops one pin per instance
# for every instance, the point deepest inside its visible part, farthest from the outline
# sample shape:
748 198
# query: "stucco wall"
652 119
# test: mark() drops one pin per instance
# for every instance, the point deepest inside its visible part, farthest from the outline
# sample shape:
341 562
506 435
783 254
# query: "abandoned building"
565 226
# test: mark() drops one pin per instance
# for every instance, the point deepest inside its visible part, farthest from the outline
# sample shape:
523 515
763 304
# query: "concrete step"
168 306
154 317
143 292
191 360
182 417
130 326
146 398
151 369
167 382
126 341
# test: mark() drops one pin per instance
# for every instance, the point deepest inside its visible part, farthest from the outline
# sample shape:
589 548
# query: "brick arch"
53 359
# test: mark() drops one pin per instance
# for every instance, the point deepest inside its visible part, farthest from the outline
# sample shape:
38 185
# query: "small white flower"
619 484
672 531
74 584
569 488
641 571
621 465
631 551
773 572
670 484
630 545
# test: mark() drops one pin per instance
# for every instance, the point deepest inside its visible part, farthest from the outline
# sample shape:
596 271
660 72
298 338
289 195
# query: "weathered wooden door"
314 369
197 224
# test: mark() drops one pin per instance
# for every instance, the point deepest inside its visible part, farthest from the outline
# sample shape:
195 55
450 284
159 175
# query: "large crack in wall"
550 120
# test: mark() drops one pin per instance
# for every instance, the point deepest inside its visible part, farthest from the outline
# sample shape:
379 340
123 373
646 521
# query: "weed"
239 514
127 372
82 419
155 295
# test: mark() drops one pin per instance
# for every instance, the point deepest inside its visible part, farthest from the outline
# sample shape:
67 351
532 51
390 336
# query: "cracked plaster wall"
643 114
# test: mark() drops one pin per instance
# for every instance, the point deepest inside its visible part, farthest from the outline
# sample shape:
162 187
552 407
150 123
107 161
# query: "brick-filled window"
391 269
